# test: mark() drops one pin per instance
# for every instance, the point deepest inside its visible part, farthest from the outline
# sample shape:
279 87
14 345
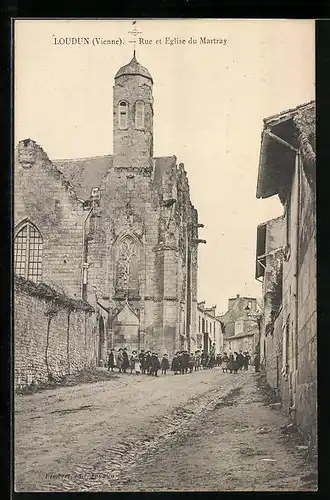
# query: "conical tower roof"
133 68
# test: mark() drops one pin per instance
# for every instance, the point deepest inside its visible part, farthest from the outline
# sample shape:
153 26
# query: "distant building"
209 328
286 262
240 325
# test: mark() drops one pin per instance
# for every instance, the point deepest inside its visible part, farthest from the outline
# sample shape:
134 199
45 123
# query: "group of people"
235 361
147 362
142 362
183 361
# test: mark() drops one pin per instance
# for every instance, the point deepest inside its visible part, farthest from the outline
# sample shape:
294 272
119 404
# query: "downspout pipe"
298 170
84 257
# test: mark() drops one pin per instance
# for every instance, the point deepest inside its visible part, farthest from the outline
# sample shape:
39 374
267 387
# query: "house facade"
286 262
209 328
240 325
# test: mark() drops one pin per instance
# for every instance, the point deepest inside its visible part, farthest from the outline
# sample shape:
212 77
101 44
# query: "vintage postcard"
164 247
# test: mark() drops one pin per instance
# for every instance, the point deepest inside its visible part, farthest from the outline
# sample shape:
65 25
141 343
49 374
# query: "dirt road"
206 431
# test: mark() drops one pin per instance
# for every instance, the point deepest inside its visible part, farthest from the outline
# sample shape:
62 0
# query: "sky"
210 100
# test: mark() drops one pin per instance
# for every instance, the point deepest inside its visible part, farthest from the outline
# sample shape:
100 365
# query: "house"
240 325
209 328
286 263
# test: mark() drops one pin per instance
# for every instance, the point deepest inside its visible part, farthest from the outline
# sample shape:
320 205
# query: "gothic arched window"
139 114
28 253
127 266
123 109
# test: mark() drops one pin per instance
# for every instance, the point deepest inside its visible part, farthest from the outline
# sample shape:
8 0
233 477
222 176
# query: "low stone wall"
53 334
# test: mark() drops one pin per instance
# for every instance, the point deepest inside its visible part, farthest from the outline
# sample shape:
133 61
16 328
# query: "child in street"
164 364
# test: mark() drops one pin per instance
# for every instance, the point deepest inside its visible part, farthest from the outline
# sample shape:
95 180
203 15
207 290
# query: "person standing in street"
185 361
125 360
142 361
245 361
148 362
137 364
212 356
165 365
197 360
240 360
133 359
225 361
175 366
191 362
203 359
120 360
111 360
155 364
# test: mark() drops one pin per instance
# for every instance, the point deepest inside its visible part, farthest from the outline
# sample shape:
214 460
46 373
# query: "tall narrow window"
133 284
123 114
28 253
139 114
127 267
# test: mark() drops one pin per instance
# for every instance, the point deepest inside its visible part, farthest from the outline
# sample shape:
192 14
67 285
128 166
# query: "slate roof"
86 173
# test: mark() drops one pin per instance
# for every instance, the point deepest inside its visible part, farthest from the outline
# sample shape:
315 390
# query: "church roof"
84 173
133 68
87 173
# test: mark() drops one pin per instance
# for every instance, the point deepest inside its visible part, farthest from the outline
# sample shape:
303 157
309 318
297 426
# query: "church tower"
133 117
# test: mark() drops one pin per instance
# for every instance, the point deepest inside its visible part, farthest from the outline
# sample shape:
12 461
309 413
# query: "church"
117 232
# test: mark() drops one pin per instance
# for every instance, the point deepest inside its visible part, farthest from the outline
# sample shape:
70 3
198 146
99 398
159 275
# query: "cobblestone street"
203 431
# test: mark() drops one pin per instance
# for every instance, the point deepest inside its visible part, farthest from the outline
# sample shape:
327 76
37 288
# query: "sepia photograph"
164 255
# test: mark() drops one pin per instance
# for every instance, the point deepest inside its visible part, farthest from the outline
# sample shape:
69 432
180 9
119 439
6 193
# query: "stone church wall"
46 199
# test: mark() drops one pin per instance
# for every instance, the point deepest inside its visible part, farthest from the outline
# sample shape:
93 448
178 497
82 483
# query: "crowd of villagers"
148 362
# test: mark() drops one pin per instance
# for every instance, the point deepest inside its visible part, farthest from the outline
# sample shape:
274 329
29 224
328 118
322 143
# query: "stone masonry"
53 336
